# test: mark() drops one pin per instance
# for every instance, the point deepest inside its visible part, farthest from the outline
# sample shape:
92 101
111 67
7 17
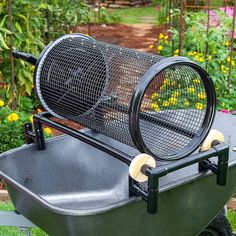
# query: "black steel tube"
25 57
87 139
176 165
153 186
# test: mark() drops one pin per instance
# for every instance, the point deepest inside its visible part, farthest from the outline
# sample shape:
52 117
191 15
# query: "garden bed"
137 36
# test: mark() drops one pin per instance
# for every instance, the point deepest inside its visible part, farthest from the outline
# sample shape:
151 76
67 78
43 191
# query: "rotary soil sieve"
161 106
164 107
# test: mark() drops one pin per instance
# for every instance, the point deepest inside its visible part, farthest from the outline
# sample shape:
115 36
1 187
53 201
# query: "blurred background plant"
210 48
28 26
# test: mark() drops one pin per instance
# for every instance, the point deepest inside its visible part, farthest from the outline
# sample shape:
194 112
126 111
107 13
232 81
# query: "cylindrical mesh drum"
162 106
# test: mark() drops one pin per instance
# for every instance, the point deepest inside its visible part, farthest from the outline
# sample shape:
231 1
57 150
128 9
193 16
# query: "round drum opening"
72 77
174 111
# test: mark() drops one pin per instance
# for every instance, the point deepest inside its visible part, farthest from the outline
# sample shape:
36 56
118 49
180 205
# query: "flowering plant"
11 126
209 49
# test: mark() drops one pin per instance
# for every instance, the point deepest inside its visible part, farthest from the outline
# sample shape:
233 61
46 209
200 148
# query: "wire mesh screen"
173 110
93 83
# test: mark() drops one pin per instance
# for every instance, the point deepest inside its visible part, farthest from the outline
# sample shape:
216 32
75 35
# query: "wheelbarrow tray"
72 188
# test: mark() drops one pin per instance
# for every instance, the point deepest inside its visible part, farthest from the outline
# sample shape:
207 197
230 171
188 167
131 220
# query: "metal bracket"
220 169
34 135
150 194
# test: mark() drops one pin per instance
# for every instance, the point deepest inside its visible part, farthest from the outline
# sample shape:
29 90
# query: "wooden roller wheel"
136 165
212 136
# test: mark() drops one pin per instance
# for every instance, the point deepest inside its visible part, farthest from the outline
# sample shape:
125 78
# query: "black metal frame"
150 194
135 107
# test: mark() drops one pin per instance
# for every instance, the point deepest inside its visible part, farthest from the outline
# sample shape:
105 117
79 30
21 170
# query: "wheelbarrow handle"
25 56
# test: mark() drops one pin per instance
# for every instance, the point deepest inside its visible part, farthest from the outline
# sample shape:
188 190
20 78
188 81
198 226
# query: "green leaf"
5 31
2 43
18 27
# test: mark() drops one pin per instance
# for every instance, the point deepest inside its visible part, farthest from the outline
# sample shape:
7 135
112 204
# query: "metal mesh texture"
92 83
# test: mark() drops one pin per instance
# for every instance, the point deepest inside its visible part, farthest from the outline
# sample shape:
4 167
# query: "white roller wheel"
213 135
136 165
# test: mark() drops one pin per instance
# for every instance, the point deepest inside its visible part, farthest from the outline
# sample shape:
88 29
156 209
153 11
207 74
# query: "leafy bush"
11 124
216 59
11 128
34 24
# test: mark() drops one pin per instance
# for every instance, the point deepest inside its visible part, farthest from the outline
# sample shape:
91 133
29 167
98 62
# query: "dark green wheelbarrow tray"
72 188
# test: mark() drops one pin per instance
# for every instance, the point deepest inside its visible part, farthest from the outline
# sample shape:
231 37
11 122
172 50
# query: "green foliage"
12 122
27 37
34 24
11 128
134 15
215 59
106 16
231 216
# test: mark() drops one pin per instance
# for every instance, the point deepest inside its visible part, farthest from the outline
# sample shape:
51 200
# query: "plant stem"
231 47
11 57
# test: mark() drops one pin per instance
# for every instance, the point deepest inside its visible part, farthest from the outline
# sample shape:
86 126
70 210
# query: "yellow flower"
196 57
197 81
227 44
209 58
201 59
228 59
13 117
194 53
176 93
154 96
39 110
173 100
161 36
1 103
201 95
162 87
166 82
155 106
47 130
166 37
151 46
199 106
31 118
186 102
233 63
190 53
191 90
224 69
165 104
177 51
159 47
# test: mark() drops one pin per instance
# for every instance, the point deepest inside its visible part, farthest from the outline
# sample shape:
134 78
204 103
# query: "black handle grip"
25 57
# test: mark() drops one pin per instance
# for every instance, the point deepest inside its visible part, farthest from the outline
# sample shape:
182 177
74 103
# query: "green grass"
134 15
13 231
231 216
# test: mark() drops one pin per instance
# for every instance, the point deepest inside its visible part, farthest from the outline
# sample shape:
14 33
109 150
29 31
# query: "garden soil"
137 36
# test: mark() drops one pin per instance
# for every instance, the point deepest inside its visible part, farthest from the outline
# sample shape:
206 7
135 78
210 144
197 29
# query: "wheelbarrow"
137 169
